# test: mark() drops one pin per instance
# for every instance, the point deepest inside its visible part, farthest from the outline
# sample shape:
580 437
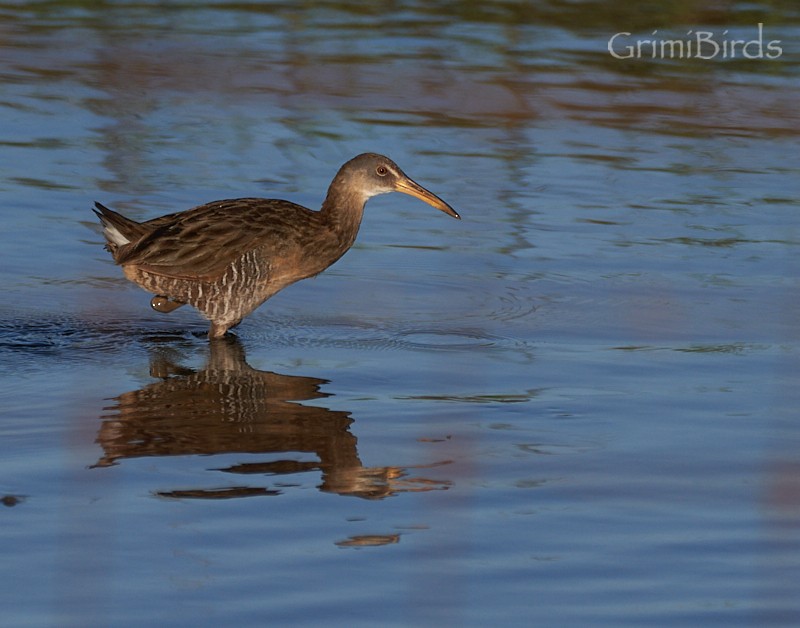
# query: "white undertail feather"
113 235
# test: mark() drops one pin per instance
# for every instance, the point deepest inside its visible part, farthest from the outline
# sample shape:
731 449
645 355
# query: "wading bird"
227 257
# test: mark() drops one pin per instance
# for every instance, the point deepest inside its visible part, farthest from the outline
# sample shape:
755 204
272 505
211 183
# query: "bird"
227 257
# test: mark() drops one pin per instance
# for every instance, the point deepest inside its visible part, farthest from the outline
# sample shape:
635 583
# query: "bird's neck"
342 210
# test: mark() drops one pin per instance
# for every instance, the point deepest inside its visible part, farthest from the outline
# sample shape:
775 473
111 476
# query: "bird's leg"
163 304
217 330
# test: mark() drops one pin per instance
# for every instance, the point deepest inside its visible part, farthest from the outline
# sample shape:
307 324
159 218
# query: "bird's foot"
163 304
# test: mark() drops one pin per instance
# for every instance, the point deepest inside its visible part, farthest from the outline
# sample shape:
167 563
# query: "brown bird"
227 257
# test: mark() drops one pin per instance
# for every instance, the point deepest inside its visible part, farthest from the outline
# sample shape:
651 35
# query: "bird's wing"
201 243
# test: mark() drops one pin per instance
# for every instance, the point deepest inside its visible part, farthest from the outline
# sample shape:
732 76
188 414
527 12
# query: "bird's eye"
382 171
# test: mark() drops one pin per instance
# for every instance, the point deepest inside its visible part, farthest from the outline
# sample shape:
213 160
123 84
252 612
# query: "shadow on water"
230 407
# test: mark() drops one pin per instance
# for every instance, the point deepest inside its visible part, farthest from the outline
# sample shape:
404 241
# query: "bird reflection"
230 407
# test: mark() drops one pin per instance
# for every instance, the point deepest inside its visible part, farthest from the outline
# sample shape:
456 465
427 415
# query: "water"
576 406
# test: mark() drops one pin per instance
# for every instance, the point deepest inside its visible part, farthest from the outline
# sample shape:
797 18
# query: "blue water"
576 406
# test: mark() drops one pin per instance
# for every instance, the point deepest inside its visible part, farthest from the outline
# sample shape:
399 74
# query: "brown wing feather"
201 243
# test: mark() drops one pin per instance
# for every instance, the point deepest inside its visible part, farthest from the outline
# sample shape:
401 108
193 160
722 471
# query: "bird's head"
374 174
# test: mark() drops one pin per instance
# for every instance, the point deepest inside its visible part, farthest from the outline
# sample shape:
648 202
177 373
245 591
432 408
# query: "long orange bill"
412 188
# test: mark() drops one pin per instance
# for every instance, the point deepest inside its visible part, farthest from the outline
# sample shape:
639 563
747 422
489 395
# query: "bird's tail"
117 229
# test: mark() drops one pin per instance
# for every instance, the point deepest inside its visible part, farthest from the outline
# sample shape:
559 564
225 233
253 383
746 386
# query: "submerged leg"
218 330
163 304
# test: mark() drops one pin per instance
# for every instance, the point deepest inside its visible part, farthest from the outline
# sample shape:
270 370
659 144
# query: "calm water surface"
577 406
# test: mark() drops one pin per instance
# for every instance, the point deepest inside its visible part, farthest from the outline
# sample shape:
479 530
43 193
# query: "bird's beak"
412 188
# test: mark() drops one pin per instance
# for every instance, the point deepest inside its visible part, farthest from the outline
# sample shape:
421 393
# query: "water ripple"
73 338
376 335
